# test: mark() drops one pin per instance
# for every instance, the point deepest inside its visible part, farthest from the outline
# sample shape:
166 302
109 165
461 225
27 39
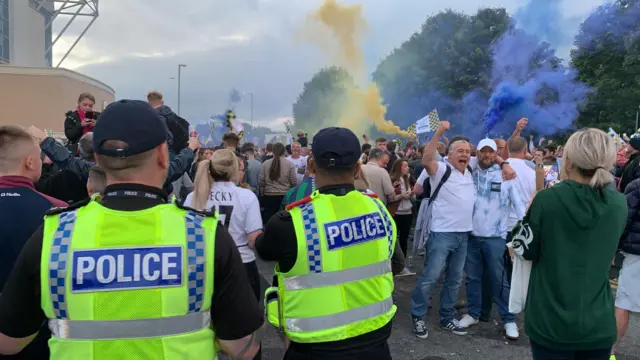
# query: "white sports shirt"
238 210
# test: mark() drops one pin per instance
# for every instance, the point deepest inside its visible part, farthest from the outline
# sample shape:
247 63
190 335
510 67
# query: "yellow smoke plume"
340 36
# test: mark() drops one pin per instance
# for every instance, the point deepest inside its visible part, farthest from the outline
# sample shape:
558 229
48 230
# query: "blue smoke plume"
610 23
530 81
544 19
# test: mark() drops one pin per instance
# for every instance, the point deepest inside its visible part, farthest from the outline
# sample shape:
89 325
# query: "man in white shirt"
451 224
299 161
525 183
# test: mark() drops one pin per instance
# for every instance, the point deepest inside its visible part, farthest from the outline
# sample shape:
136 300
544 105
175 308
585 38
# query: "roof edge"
47 71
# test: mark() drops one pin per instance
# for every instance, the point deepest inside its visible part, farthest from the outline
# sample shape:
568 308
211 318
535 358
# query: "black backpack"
179 128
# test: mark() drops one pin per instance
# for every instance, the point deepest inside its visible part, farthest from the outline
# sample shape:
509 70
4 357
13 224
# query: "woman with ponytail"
215 189
571 233
277 176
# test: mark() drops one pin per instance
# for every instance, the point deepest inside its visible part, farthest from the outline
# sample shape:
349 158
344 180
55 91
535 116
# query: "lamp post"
180 66
637 113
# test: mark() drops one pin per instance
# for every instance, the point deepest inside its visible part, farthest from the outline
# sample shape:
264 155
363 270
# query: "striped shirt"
299 192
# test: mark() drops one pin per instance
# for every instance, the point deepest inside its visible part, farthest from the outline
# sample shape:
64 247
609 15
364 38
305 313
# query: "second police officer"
334 278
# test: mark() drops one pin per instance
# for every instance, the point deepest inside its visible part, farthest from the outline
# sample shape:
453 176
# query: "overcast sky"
136 46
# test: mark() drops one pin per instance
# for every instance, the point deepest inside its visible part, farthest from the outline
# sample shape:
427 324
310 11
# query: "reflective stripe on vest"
129 329
388 225
58 263
314 280
320 323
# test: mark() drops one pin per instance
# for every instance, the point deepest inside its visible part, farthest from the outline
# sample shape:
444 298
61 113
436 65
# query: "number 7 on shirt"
224 214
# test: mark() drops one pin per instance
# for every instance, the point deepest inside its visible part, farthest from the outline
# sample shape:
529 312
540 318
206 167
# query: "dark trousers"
487 295
270 205
403 226
541 353
305 352
254 280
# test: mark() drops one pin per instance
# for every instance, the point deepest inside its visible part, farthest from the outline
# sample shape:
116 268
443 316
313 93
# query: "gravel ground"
484 341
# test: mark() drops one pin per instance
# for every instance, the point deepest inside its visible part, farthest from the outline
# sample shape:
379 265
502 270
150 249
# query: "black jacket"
72 127
630 240
166 114
64 185
630 172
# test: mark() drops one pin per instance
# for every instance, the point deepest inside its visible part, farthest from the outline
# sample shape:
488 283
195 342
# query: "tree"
321 99
457 61
437 67
607 57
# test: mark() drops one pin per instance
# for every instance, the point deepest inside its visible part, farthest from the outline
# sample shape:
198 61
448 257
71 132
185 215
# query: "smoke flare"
345 25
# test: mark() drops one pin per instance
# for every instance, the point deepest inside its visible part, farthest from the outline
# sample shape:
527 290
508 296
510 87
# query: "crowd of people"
137 212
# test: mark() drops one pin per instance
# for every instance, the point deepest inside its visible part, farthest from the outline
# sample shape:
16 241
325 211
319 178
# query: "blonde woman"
238 208
571 233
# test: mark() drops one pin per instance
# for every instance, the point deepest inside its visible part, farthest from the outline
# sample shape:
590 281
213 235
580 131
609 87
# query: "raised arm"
429 155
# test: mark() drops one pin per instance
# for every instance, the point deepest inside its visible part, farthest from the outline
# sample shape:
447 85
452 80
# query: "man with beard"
486 245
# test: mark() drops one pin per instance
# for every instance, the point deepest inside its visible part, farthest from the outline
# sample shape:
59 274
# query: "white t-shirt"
524 184
299 163
424 175
238 210
453 208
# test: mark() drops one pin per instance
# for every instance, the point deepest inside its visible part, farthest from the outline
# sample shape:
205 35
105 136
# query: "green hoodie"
575 231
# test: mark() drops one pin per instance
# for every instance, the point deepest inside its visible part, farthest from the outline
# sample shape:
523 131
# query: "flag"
615 136
429 123
434 120
411 129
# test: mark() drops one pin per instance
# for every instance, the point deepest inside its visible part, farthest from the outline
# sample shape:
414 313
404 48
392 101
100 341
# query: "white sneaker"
405 272
467 321
511 330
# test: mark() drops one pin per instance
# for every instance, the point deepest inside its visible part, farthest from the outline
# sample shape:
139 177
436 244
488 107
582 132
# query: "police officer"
333 297
132 277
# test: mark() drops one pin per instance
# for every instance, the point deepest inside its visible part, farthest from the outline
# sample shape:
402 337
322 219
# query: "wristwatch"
503 163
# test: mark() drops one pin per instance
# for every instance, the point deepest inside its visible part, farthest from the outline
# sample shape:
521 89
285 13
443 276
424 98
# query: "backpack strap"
444 179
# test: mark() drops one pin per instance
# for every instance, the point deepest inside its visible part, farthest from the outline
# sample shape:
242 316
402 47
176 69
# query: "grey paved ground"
484 341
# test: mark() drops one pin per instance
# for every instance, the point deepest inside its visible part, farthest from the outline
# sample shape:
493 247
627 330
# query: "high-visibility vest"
128 284
341 284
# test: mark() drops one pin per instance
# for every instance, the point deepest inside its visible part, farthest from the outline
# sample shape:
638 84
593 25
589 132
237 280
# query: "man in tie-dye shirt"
485 250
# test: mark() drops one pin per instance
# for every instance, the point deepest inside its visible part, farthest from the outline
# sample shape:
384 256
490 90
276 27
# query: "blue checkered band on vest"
312 237
196 260
58 263
388 225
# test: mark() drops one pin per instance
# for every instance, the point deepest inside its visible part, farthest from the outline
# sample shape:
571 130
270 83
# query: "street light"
180 66
637 113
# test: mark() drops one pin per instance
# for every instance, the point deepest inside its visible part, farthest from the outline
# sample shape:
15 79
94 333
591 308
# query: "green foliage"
448 58
319 103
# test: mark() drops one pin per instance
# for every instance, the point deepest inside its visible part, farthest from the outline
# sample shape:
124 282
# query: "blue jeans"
445 250
487 254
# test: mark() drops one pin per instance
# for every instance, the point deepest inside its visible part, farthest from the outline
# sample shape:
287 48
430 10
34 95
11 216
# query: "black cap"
134 122
635 142
335 147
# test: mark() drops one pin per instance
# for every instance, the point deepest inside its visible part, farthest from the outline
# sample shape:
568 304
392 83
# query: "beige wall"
41 96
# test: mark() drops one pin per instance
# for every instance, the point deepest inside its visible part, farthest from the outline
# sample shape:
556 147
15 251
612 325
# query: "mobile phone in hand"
90 115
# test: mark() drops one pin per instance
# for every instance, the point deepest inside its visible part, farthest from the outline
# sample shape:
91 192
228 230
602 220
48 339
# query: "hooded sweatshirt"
571 233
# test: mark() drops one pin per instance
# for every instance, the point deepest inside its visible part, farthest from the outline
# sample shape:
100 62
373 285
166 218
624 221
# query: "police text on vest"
126 268
354 230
